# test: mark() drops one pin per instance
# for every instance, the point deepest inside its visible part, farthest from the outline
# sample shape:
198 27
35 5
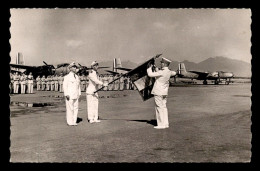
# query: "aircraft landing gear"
216 82
205 82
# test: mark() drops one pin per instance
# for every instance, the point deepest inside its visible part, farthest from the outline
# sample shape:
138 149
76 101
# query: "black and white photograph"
130 85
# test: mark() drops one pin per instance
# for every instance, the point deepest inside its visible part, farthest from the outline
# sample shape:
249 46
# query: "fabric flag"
141 80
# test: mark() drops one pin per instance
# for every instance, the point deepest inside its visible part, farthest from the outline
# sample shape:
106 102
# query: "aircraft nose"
214 74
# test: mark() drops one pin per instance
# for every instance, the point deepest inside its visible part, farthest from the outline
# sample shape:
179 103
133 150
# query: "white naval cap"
73 64
94 63
165 60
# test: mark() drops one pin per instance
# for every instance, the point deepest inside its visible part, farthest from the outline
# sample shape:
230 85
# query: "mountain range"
218 63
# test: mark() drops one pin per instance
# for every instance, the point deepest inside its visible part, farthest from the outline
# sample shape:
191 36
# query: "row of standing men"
24 83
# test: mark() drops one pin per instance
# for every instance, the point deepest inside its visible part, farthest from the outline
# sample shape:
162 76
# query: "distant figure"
43 82
92 98
127 83
30 83
61 78
110 79
56 83
38 83
72 92
121 83
11 85
23 83
52 82
160 91
81 82
105 80
116 83
16 82
48 83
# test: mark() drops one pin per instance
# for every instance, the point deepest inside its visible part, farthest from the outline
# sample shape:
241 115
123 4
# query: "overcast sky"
83 35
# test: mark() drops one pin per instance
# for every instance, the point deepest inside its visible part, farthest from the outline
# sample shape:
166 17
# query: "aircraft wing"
63 65
125 69
200 73
103 67
22 66
112 72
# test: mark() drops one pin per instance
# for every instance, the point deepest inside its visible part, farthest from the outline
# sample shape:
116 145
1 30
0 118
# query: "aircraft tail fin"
20 59
181 68
117 64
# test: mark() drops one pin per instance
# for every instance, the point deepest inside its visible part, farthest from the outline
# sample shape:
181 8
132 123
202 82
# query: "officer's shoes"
97 121
159 127
91 121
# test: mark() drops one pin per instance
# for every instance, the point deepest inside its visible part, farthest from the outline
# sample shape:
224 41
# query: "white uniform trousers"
38 86
16 87
23 86
56 85
92 104
72 107
61 87
161 110
30 88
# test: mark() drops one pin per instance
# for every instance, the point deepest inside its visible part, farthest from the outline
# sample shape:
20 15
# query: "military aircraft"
217 76
50 69
36 70
117 67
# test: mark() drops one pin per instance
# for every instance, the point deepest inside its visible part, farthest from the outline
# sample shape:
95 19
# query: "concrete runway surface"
208 123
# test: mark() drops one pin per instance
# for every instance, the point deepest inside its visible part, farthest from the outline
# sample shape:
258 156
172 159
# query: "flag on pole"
141 80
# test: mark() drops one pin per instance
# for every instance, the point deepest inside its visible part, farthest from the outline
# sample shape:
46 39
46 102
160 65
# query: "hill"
219 63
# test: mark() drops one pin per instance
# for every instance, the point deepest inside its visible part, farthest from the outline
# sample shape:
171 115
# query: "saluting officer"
30 83
38 82
16 82
92 98
72 92
160 91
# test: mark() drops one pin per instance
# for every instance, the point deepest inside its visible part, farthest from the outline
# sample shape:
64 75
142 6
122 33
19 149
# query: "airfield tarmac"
208 123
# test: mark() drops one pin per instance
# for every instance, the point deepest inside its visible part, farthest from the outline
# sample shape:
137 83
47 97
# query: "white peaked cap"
73 64
94 63
165 60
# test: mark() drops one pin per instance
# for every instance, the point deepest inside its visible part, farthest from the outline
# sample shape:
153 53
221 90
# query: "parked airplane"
217 76
50 69
117 67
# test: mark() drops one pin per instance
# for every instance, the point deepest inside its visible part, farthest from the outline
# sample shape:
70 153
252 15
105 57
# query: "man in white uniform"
30 83
92 98
160 91
72 92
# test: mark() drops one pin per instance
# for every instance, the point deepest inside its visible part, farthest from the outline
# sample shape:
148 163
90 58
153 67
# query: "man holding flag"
160 91
92 95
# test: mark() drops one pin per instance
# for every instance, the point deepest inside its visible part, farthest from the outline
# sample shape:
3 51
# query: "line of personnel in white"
21 83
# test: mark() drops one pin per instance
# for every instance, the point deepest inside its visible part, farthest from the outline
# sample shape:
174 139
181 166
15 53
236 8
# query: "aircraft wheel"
216 82
205 82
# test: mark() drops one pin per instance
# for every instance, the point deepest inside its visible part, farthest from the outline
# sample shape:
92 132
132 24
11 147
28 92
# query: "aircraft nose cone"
214 74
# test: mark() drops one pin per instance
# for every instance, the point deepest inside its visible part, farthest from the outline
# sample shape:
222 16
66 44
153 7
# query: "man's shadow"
152 121
79 120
